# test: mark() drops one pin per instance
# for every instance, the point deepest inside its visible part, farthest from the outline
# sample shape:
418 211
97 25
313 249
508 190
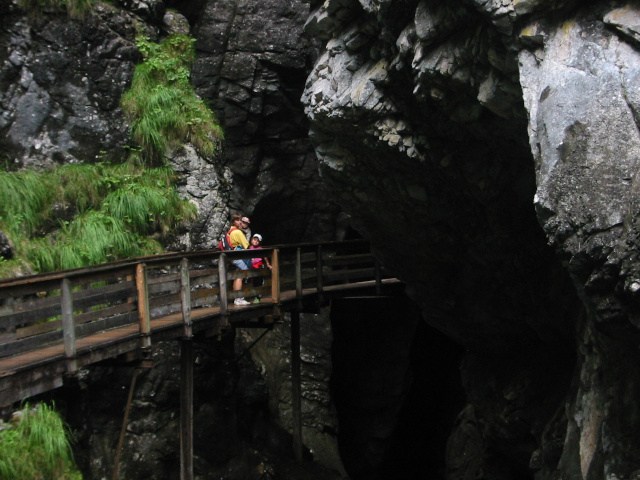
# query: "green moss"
162 105
36 447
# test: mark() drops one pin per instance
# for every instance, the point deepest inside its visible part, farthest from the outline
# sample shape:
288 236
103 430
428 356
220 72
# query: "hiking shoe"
240 301
257 300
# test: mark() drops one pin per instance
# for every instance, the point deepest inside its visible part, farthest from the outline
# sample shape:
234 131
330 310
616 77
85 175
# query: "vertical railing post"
296 386
142 288
319 280
222 282
68 327
275 281
185 298
299 278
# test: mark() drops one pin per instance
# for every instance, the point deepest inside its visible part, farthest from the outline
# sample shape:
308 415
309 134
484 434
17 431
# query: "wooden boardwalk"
53 324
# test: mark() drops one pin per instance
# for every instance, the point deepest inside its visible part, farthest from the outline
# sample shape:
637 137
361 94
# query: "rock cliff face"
487 148
495 128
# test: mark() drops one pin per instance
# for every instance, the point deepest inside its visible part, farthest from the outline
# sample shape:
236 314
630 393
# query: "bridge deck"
36 361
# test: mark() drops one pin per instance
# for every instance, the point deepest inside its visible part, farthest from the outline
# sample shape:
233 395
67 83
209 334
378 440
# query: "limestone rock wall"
495 144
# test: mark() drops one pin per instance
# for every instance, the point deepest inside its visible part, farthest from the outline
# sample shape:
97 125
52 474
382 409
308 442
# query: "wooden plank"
203 273
360 258
103 295
30 317
21 290
31 343
104 324
29 304
105 312
166 277
113 275
348 276
159 288
164 300
38 328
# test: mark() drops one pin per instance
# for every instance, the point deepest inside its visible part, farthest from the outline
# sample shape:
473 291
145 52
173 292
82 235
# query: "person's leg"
237 283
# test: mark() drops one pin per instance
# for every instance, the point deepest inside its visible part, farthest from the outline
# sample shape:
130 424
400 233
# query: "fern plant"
162 105
37 446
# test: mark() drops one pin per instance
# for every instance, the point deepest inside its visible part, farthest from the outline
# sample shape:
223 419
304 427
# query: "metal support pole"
186 409
296 389
124 423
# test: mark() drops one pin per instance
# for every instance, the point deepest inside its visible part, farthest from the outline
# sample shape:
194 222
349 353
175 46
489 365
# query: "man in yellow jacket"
238 241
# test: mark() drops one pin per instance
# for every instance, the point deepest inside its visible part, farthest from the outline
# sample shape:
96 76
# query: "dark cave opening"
396 386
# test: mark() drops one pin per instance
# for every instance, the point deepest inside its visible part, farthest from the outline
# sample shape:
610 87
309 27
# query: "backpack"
225 242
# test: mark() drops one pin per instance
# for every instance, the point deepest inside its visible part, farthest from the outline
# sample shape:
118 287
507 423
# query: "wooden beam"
186 409
143 305
68 327
185 297
275 282
296 388
299 278
224 297
319 267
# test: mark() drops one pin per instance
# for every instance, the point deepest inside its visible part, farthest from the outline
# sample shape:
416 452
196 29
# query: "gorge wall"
487 148
495 128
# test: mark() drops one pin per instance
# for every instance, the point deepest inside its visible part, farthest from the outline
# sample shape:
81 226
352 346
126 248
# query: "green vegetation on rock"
164 110
36 446
79 215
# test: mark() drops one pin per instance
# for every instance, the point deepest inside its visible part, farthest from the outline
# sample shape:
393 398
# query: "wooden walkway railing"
53 324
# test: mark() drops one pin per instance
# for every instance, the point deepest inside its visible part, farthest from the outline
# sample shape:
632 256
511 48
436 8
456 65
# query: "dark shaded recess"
191 9
396 386
282 218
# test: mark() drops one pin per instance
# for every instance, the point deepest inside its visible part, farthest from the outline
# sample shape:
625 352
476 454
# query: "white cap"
258 236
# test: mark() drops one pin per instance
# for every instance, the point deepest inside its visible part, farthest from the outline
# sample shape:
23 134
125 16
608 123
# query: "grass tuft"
112 212
37 447
164 110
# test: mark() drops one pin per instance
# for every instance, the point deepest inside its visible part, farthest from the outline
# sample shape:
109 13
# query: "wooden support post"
222 281
143 305
378 275
185 297
116 466
296 389
68 327
319 267
299 278
186 409
275 282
